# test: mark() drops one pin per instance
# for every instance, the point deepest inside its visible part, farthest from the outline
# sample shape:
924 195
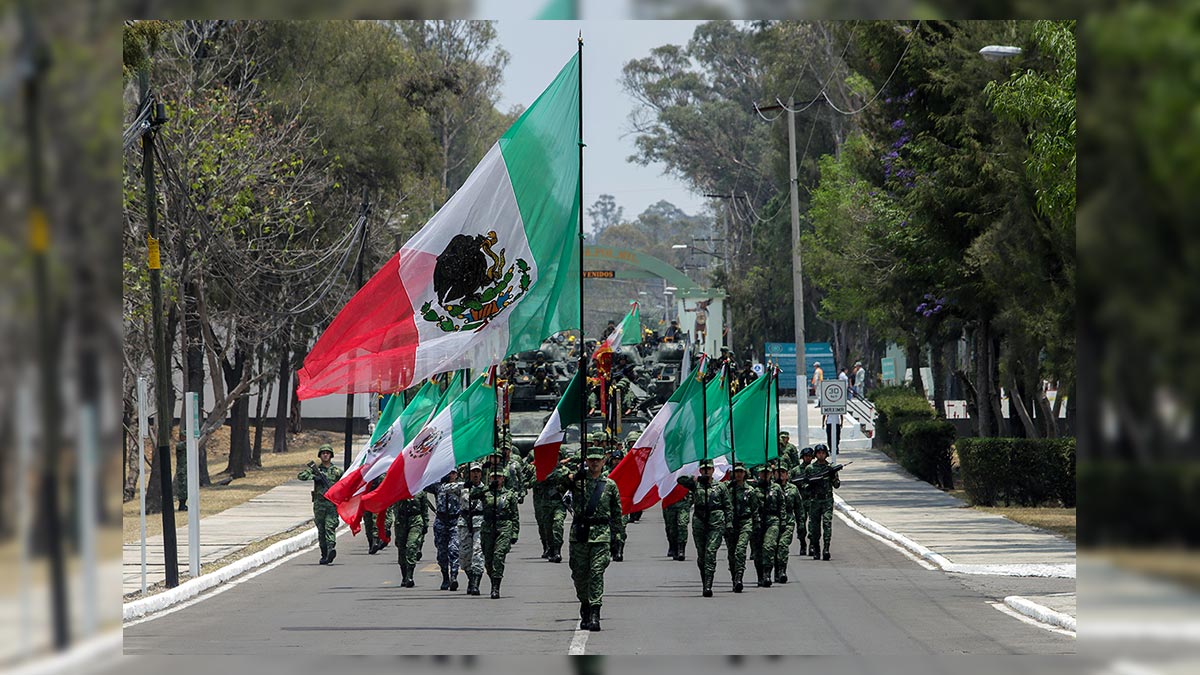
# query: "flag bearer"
710 508
597 516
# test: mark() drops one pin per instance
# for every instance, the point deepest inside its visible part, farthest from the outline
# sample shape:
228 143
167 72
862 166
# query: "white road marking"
1128 668
908 554
578 643
1032 622
223 587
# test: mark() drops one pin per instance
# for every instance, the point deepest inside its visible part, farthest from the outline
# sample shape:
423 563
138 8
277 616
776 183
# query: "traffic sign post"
832 396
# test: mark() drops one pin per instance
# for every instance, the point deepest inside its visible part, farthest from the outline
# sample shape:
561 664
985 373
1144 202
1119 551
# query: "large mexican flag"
493 272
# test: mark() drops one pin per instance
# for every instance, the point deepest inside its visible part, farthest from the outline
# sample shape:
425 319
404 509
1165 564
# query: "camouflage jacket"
597 526
318 474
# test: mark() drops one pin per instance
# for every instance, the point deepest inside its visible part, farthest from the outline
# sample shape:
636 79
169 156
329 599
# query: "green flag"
754 421
720 443
631 327
683 434
419 410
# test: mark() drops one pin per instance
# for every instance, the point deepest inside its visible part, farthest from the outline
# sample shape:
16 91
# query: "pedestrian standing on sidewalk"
818 377
325 515
833 432
858 380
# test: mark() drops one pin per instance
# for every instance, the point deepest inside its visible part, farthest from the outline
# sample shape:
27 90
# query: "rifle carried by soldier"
820 475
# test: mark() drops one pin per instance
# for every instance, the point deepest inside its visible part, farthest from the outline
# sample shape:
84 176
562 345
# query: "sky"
539 49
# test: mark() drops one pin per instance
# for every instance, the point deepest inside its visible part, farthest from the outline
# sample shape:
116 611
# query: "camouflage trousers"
325 516
820 523
496 544
737 539
763 543
445 539
408 539
371 526
618 533
470 546
802 525
588 563
783 542
551 515
708 542
676 519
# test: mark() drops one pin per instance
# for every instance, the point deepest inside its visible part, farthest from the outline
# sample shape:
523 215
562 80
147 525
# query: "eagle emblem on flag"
472 284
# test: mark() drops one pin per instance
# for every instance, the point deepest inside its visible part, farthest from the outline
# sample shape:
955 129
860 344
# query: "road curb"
1061 571
1040 613
136 609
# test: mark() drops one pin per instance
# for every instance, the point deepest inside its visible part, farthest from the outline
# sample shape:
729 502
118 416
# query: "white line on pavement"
1005 609
578 643
1128 668
854 526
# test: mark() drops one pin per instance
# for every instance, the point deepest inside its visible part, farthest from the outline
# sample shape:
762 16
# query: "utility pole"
37 59
163 414
358 281
797 275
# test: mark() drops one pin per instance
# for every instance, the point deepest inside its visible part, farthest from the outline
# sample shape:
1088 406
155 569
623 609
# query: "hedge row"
896 406
1129 505
924 450
1018 471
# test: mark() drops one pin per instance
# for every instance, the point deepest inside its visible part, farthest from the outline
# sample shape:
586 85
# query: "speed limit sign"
833 397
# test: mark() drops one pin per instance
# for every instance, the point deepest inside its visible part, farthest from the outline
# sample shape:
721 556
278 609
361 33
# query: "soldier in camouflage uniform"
597 505
820 510
789 456
792 507
710 506
325 515
676 517
470 522
500 514
766 525
447 498
740 523
796 477
514 473
550 511
376 540
409 519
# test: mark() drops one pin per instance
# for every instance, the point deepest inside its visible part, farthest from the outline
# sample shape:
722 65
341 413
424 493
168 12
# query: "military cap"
594 454
325 447
475 466
806 452
759 468
596 437
706 464
739 467
785 432
633 436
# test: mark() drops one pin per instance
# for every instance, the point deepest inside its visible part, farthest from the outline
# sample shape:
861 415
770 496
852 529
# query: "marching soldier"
766 525
743 512
323 476
499 526
550 511
676 517
792 506
820 511
796 477
789 457
447 497
408 520
470 522
376 540
613 456
597 516
512 466
710 506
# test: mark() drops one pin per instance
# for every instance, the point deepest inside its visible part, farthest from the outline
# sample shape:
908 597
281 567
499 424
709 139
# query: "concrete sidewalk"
882 491
277 510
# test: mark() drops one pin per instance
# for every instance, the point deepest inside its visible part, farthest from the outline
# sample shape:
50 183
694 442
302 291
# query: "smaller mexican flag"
566 413
463 431
628 332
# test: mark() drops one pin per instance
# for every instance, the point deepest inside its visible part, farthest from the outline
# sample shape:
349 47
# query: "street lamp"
998 52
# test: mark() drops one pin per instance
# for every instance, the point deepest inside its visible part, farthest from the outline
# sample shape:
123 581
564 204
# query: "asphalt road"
870 599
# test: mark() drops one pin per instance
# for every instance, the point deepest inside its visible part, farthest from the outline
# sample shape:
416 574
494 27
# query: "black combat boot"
815 551
825 555
707 588
621 551
556 554
372 549
454 582
324 558
615 550
332 554
445 578
737 582
672 550
495 589
585 615
545 551
594 624
766 576
473 583
758 571
681 553
781 573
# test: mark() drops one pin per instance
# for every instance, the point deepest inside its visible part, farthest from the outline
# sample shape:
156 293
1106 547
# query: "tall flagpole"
582 367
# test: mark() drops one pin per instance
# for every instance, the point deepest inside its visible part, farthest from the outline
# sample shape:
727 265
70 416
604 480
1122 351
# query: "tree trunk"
985 424
937 366
285 391
260 415
914 360
239 423
1016 403
294 421
993 385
